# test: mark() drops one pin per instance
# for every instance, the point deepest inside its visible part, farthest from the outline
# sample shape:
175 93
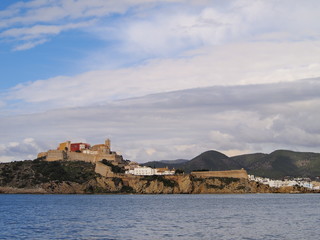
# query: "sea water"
248 216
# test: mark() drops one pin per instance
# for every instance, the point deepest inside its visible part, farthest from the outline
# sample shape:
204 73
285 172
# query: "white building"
164 171
142 171
275 183
147 171
282 183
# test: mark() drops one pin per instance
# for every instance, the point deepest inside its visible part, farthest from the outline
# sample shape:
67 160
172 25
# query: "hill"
165 163
210 160
277 165
71 177
27 174
281 163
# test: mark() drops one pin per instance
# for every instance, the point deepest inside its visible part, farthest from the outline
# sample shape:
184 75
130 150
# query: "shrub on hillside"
114 168
166 182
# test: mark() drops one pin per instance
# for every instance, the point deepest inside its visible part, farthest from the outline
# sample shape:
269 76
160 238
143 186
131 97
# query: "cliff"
65 177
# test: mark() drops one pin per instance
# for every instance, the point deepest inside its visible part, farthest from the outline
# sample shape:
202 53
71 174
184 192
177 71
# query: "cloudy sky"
162 79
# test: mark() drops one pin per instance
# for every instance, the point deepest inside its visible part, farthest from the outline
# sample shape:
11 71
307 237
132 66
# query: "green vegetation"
95 189
215 186
277 165
117 181
166 182
127 189
241 187
282 163
226 180
73 171
29 173
114 168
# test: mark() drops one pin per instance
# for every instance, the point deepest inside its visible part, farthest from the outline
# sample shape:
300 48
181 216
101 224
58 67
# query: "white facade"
282 183
142 171
88 151
148 171
167 172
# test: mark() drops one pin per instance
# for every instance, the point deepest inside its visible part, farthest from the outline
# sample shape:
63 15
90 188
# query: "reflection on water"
260 216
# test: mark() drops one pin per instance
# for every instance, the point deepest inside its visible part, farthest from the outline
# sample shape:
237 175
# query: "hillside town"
100 153
301 182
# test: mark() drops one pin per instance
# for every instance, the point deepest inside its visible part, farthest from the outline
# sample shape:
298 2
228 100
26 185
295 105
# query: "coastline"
137 186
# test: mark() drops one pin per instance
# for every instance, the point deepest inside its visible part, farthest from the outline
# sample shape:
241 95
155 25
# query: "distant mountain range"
277 165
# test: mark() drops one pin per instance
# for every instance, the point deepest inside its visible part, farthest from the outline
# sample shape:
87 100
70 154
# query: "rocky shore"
40 177
152 185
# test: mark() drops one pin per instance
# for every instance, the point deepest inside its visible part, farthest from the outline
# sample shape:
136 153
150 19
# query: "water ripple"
113 217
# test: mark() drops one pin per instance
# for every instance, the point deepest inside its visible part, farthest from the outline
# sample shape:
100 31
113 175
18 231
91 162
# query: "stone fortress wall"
104 170
84 152
228 174
93 154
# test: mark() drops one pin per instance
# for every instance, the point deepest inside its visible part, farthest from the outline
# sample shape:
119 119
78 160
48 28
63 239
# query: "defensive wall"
229 174
82 152
104 170
56 155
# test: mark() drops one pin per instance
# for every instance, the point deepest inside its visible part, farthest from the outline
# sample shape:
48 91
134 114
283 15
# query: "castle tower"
65 146
108 145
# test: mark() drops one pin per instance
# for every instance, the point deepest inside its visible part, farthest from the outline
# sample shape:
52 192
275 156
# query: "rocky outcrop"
185 184
61 177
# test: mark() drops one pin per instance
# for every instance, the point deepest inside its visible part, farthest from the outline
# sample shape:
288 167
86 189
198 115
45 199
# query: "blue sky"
100 64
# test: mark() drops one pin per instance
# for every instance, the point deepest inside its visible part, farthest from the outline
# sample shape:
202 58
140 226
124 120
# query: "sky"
162 79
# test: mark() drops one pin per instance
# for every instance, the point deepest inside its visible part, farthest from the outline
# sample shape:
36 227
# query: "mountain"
277 165
177 161
281 163
166 163
210 160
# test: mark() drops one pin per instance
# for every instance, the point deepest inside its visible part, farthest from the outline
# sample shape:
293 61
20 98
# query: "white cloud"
165 27
6 159
166 33
38 34
20 150
29 45
50 17
230 64
181 124
189 45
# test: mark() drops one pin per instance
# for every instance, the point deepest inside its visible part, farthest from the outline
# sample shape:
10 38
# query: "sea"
215 216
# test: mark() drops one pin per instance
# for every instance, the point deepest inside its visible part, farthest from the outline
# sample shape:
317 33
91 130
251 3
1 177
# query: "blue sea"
248 216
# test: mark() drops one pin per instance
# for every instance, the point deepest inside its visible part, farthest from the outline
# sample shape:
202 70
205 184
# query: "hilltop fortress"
82 168
82 152
97 154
